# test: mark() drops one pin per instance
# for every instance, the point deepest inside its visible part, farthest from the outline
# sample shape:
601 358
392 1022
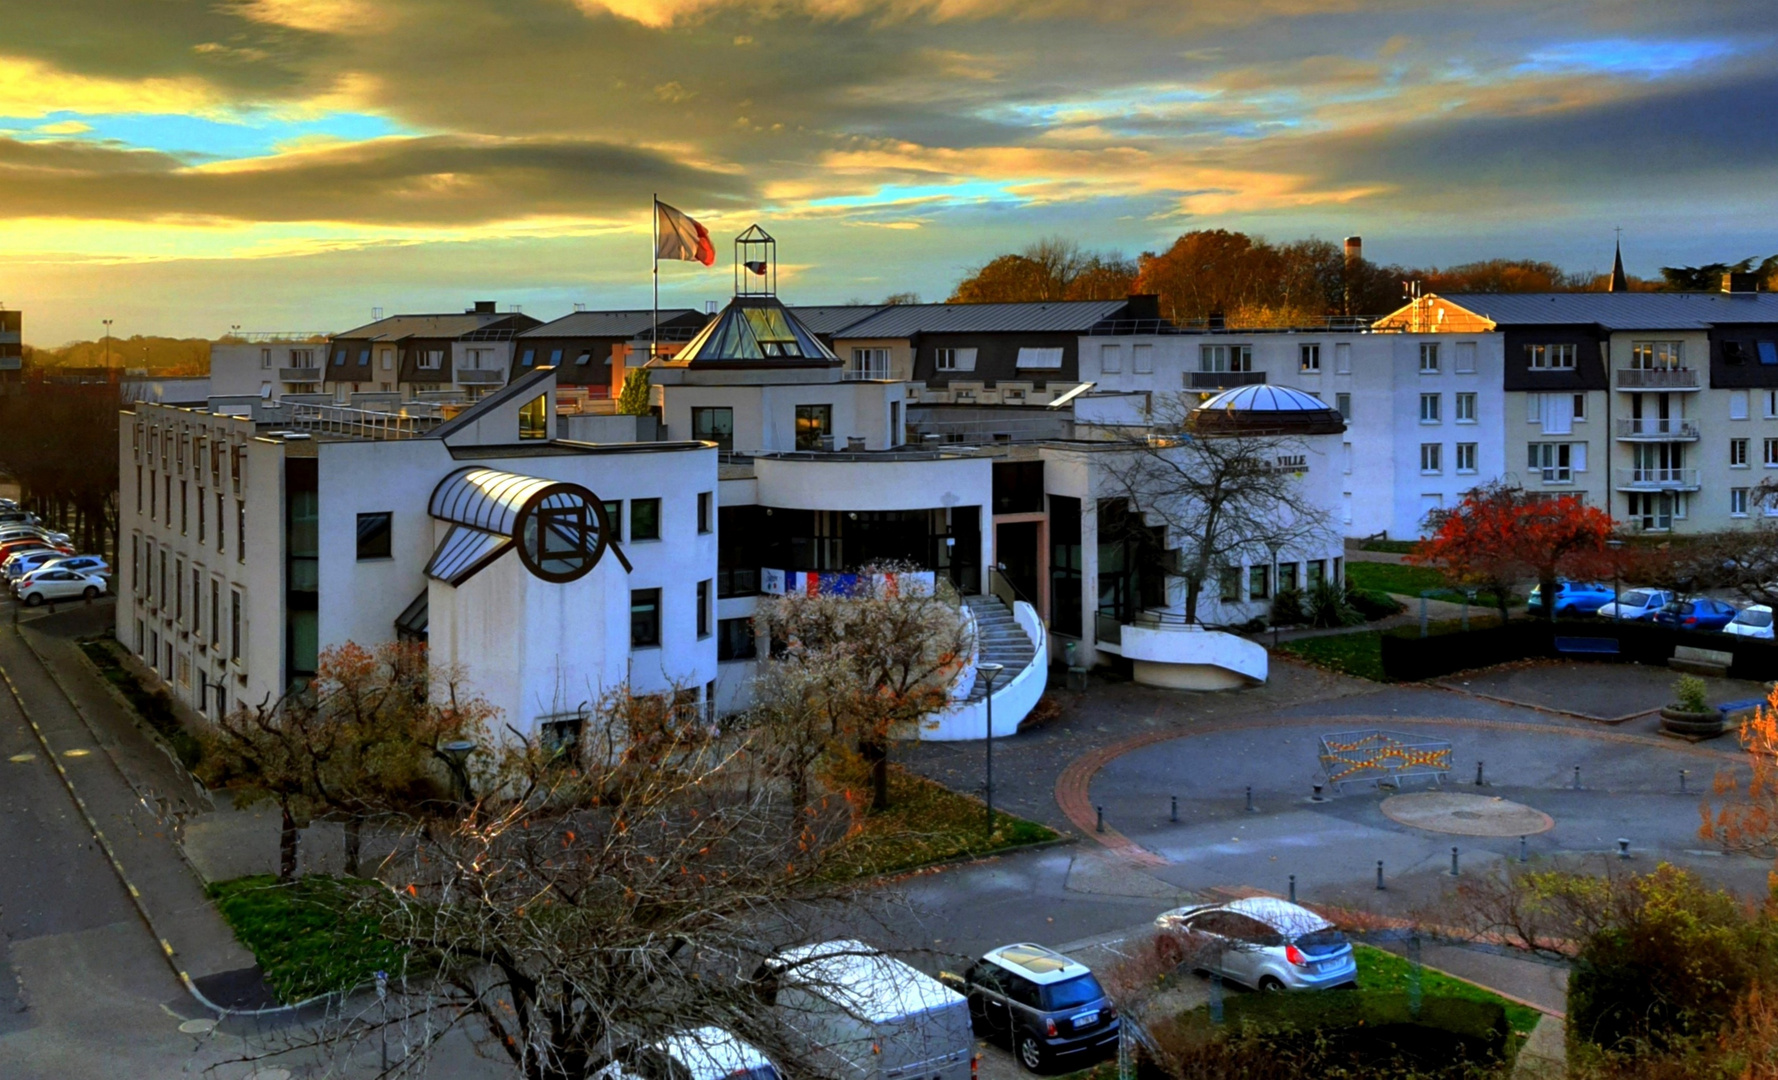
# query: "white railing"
1657 479
1671 427
360 423
870 372
1657 379
1013 699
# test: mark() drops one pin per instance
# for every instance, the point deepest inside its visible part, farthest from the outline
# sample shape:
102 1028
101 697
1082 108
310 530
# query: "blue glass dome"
1261 409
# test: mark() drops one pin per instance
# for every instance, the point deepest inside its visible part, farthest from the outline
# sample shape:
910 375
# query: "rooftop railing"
362 423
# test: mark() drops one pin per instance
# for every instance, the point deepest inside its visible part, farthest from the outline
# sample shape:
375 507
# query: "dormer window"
534 418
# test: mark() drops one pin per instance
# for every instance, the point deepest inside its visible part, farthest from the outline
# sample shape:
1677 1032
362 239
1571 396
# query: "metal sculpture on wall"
561 529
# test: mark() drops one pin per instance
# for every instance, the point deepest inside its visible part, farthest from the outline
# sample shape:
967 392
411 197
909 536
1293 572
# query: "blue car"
1573 598
1701 613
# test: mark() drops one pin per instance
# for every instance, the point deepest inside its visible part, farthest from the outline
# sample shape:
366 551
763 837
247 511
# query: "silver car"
1261 942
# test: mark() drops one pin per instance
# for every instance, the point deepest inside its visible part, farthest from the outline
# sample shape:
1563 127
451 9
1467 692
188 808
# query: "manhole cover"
1466 815
198 1027
271 1074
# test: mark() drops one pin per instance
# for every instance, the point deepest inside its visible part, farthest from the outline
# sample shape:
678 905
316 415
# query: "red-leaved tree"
1500 535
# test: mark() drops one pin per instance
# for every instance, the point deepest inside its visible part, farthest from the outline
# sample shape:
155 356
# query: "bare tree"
1225 498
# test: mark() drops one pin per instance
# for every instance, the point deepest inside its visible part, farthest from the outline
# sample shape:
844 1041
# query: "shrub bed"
1407 656
154 706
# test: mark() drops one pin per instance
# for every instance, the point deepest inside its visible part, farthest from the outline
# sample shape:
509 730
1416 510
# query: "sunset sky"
182 167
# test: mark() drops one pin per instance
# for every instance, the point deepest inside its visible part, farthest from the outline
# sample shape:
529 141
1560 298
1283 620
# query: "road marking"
20 759
75 753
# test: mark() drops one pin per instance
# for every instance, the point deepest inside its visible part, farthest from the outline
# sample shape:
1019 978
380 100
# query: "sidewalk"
132 793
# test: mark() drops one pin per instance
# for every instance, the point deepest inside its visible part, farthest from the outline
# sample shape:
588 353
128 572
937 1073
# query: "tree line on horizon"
1252 281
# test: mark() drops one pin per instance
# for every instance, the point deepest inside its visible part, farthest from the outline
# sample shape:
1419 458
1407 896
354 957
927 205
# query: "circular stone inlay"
198 1027
1466 815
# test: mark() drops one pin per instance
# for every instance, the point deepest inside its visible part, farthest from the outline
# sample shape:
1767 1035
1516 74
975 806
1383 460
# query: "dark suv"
1047 1008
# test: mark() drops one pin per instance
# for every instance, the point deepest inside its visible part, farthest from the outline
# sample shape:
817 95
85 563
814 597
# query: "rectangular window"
1550 357
534 418
614 516
136 565
138 489
954 359
645 519
1429 358
1429 408
1466 351
221 527
1772 404
705 501
1466 453
1343 358
215 612
1737 405
734 640
234 625
184 502
1142 359
1552 462
1287 577
813 422
1229 581
1225 358
1772 453
153 493
1580 406
203 502
717 425
1465 411
1259 582
1737 502
167 501
1343 402
1111 359
1431 457
1737 453
645 618
704 608
240 530
1308 358
160 590
374 533
1655 355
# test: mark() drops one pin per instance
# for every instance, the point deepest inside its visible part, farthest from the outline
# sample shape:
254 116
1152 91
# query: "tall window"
1111 359
705 501
203 501
1142 359
1225 358
1229 585
614 513
813 422
1465 364
234 624
1772 453
1429 408
240 530
374 535
1259 582
645 618
1738 502
197 602
1308 358
1737 453
645 519
1466 455
184 504
1465 412
1343 402
534 418
221 524
1429 357
1431 457
704 608
716 425
215 612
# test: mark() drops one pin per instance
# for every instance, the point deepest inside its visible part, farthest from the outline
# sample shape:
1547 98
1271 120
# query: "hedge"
1407 656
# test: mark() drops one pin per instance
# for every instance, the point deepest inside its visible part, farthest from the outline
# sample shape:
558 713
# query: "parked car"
44 585
1262 942
86 564
1753 622
1637 604
1572 598
706 1053
9 548
21 562
32 532
1047 1008
859 1015
1698 613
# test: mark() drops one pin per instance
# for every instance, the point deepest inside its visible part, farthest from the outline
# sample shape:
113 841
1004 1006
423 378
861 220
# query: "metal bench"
1587 646
1690 658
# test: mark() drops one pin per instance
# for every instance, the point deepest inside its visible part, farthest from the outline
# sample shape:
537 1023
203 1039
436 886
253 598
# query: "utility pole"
107 323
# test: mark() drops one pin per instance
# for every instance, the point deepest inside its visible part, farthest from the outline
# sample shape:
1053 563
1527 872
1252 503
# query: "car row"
1659 606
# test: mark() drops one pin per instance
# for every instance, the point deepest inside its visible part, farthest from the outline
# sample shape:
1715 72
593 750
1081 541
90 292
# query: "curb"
1073 786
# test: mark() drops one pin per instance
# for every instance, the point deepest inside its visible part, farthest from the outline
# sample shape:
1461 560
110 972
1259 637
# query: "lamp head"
990 671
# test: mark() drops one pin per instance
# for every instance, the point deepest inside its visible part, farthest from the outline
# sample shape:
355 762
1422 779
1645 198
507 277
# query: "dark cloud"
441 180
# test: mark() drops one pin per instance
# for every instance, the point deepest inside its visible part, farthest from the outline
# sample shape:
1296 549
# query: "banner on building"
829 583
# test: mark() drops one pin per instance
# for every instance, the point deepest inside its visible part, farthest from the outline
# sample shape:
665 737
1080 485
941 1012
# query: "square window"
645 519
717 425
734 640
645 618
1431 457
1309 358
374 532
813 422
1466 456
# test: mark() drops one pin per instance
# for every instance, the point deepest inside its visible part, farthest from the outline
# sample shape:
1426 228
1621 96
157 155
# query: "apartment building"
1424 411
592 349
1661 408
11 345
267 365
469 353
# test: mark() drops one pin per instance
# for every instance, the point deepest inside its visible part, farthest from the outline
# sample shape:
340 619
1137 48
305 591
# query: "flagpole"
654 322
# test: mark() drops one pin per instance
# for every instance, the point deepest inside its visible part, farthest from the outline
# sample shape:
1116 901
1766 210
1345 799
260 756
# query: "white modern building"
1425 411
267 365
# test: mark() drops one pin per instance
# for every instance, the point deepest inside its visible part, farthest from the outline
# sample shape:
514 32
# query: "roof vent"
1735 282
484 307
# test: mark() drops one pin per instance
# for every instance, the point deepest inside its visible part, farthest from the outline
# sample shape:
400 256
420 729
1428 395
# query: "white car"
1753 622
53 584
1637 604
1262 942
706 1053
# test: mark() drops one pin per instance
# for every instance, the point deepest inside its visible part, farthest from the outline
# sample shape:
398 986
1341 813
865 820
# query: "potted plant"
1690 713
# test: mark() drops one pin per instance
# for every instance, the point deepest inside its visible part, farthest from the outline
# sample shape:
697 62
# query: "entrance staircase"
999 640
1013 637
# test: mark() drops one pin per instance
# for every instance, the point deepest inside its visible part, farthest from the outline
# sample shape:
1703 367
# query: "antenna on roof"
376 313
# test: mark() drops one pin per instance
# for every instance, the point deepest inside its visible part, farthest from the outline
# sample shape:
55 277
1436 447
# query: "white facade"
267 366
1426 413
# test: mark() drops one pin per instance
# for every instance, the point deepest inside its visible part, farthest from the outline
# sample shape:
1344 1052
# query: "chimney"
1217 321
484 307
1740 283
1354 249
1354 256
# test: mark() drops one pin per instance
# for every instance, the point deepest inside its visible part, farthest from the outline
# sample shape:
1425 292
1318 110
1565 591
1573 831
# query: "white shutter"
1142 359
965 360
1343 358
1465 355
1036 358
1738 405
1577 457
1558 414
1111 359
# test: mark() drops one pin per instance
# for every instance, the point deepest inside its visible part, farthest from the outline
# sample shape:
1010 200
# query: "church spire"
1619 282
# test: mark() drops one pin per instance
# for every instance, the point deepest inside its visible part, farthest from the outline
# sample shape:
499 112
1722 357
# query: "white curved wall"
880 483
1012 702
1191 658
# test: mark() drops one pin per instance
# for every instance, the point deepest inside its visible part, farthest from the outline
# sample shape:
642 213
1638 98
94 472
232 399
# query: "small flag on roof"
756 266
680 236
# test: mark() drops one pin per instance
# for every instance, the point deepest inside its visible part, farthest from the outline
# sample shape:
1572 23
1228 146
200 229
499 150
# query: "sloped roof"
613 324
834 317
1624 310
396 327
1062 316
522 386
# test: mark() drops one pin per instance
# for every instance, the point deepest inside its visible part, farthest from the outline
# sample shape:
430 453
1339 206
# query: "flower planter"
1685 722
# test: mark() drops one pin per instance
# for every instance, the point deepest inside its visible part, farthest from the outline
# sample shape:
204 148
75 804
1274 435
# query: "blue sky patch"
245 133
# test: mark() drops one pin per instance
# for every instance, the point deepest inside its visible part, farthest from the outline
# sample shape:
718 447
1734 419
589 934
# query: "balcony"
1657 479
299 374
1659 378
478 377
1222 380
1657 429
872 372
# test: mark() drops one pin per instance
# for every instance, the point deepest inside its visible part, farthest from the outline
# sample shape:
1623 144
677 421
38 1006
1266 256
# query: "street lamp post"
990 672
1617 607
1273 547
456 752
107 323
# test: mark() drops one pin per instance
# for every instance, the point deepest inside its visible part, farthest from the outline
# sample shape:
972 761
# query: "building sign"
1292 463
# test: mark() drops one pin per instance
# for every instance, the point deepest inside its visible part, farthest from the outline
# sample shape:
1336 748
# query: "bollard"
1216 997
1099 825
1478 774
1623 848
1251 809
1453 862
1317 796
1379 875
1523 856
1293 888
1175 815
1577 778
1682 781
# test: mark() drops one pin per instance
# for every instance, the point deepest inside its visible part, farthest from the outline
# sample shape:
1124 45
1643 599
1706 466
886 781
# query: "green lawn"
312 936
1409 581
926 823
1381 970
1393 547
1358 653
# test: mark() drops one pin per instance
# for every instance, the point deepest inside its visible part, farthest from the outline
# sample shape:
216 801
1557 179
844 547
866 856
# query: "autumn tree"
1746 819
364 738
1500 535
1050 269
882 653
1221 499
1708 277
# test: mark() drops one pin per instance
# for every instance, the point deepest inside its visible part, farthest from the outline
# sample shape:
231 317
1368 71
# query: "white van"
865 1016
706 1053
